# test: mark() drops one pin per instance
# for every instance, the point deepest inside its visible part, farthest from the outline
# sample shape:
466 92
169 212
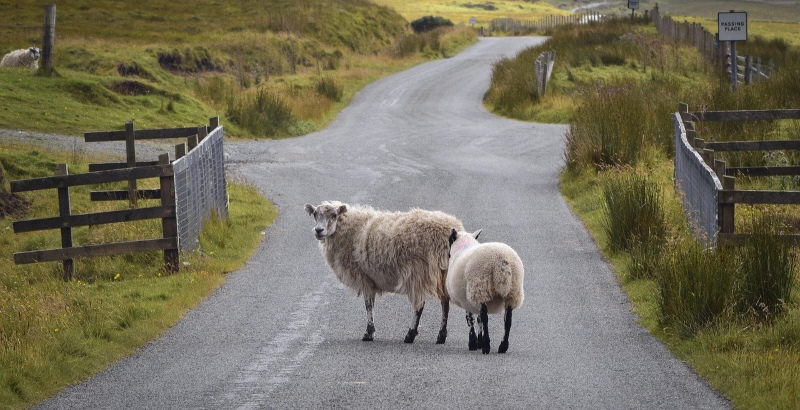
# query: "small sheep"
484 278
22 58
373 252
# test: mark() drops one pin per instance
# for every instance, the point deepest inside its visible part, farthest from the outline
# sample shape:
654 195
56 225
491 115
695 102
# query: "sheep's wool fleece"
490 273
375 251
20 58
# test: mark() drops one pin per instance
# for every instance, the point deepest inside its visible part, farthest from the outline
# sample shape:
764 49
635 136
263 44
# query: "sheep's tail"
502 277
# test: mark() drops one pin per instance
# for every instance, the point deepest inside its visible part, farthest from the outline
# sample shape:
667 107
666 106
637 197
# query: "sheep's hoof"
503 347
473 341
367 337
442 337
412 334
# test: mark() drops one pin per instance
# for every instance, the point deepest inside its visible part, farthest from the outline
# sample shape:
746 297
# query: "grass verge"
53 333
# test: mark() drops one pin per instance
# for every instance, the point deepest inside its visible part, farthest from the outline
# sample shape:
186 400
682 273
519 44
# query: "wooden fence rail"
66 220
729 196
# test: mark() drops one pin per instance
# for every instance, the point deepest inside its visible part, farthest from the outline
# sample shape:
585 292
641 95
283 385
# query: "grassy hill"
177 63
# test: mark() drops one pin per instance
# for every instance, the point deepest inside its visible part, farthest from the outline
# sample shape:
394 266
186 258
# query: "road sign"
472 21
732 26
633 4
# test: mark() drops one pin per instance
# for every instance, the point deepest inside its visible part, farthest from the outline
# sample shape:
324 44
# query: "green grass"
176 64
54 333
730 312
460 12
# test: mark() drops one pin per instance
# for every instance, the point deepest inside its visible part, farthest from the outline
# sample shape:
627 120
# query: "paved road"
282 333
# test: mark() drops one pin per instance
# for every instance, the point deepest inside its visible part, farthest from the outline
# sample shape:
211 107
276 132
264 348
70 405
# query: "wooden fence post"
726 212
48 38
64 211
169 225
130 151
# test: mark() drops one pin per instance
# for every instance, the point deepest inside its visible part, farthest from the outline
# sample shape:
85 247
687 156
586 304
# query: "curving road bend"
283 333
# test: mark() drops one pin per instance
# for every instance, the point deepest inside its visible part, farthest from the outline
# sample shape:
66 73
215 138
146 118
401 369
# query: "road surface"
283 333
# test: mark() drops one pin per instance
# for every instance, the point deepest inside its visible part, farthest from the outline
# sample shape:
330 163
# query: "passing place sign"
732 26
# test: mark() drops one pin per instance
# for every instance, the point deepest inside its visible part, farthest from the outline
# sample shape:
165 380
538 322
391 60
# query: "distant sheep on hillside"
373 251
22 58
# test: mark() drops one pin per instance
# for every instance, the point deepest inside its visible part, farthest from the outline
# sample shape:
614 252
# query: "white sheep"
373 252
22 58
484 278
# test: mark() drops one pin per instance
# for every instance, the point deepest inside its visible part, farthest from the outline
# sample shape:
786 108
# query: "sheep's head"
34 52
462 240
326 215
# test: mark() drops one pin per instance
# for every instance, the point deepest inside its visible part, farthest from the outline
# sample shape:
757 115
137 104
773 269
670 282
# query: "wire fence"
200 188
698 185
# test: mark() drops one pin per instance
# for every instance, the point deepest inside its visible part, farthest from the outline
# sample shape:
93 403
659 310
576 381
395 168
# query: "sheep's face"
34 52
326 215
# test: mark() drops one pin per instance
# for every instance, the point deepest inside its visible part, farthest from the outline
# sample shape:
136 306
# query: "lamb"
484 278
22 58
373 252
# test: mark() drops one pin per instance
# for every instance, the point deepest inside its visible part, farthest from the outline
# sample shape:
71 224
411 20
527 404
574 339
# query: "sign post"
633 5
732 27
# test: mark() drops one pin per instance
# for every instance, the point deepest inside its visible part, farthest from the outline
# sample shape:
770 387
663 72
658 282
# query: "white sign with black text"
633 4
732 26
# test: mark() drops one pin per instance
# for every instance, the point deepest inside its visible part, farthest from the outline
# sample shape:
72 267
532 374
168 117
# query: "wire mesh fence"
698 185
200 188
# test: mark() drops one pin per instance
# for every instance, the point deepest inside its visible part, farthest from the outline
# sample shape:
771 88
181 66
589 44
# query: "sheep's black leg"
369 302
485 320
413 331
480 332
504 344
473 340
443 330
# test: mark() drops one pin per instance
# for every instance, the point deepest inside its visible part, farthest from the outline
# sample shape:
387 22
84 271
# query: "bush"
330 88
695 286
634 213
429 23
768 271
262 114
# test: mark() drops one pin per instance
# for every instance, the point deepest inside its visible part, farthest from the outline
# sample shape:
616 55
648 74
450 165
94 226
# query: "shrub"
429 23
328 87
695 286
634 213
261 113
768 270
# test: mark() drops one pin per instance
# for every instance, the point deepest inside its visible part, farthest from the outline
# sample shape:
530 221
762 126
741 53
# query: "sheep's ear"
477 233
453 236
310 209
342 209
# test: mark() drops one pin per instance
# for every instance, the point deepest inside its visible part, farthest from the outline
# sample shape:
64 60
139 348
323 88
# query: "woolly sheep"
373 252
484 278
22 58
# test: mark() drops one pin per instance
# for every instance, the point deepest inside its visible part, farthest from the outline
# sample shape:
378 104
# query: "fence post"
66 232
748 70
213 123
130 152
169 225
48 38
202 133
726 212
180 151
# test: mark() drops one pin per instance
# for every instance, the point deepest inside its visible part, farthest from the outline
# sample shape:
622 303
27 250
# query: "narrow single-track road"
283 333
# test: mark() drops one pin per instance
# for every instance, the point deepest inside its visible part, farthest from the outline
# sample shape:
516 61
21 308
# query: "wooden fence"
129 171
717 52
544 69
729 196
66 221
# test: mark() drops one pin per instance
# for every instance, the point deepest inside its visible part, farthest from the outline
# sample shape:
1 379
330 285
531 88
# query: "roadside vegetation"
731 312
54 333
268 69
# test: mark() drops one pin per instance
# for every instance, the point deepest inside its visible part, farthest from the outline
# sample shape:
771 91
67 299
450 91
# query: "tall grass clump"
695 286
513 86
635 220
768 270
261 113
618 123
329 88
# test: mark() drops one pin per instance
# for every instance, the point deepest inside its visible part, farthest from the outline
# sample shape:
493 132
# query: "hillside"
177 63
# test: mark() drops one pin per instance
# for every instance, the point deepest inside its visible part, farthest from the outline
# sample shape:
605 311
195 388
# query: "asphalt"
283 333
